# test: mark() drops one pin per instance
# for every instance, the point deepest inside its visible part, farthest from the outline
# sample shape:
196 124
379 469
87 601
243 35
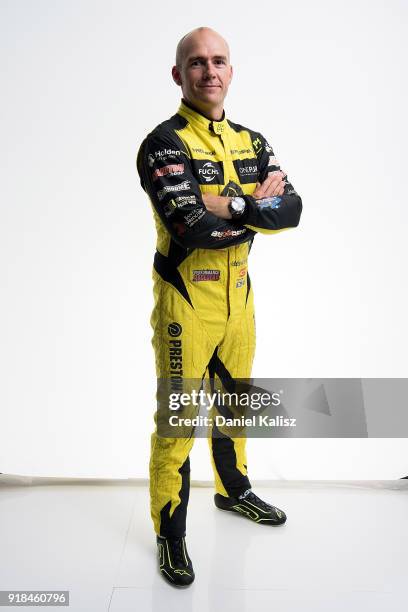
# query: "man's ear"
176 75
231 73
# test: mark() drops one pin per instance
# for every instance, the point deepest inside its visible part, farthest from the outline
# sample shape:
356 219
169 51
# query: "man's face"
205 72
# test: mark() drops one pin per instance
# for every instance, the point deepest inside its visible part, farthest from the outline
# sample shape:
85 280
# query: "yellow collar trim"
196 118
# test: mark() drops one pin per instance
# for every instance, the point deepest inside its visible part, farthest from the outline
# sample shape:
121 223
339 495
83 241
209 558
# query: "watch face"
238 204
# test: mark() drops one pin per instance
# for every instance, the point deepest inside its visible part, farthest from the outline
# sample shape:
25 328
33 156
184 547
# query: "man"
213 185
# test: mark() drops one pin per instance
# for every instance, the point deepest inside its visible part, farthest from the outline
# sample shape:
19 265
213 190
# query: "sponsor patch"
195 215
273 202
170 170
242 272
246 169
208 172
166 152
257 144
241 262
184 200
227 233
273 161
240 283
242 151
174 329
202 151
231 189
169 208
206 275
184 186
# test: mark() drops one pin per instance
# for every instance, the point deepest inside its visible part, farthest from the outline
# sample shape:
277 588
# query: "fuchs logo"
208 171
206 275
174 329
150 160
227 233
171 170
184 186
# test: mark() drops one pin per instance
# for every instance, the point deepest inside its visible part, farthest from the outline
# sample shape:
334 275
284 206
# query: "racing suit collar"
199 120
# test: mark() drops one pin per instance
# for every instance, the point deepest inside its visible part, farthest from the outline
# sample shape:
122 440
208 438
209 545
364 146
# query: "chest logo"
208 172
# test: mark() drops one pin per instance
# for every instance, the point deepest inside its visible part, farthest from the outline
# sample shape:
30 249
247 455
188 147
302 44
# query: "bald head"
190 39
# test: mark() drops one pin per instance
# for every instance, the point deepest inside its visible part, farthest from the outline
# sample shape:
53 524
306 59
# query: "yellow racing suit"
203 317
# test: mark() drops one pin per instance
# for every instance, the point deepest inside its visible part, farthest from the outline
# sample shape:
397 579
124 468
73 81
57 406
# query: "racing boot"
248 504
174 563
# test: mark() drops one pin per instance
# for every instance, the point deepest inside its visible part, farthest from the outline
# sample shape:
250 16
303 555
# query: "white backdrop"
82 83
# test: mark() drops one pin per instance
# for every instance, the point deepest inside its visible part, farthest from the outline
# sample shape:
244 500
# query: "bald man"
213 184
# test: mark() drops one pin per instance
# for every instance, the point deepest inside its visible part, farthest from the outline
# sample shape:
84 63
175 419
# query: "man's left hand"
217 205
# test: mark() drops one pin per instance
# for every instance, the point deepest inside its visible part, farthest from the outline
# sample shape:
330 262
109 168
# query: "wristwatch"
237 207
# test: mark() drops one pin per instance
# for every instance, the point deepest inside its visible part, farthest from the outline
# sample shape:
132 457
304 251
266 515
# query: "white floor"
343 548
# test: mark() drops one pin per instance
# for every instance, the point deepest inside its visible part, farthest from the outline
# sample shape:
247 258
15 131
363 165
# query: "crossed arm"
273 185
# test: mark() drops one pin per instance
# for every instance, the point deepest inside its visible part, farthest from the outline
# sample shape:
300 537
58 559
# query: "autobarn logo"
208 172
184 186
170 170
246 169
206 275
227 233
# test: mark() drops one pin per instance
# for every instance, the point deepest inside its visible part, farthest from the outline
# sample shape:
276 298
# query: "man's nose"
209 70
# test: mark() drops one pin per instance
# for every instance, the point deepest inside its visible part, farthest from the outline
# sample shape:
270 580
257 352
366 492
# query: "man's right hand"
273 185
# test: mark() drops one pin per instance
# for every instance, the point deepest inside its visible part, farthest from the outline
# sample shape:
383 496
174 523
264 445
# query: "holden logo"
208 172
